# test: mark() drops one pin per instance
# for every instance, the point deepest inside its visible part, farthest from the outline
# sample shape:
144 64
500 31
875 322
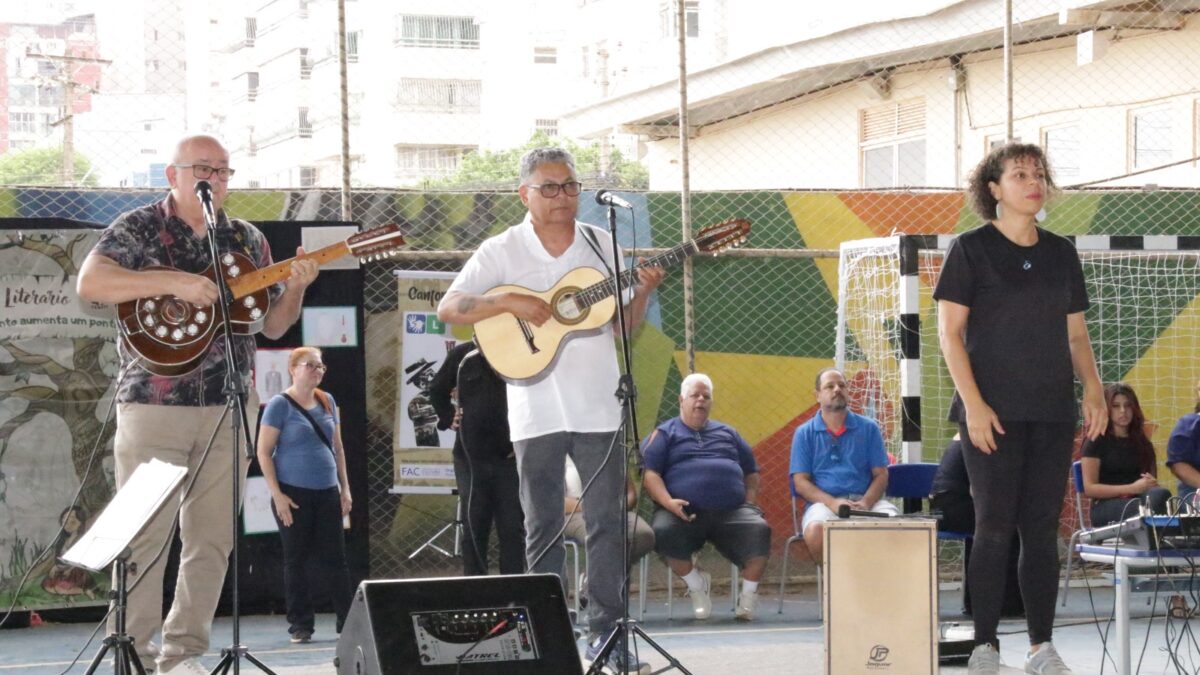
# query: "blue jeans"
541 461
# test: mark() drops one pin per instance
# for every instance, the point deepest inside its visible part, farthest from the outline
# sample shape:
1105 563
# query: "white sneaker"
985 660
1046 661
190 666
747 603
701 601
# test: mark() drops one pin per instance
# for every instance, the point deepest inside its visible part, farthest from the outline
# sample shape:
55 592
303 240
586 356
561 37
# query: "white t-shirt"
577 393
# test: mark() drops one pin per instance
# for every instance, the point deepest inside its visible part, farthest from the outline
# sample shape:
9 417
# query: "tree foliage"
43 166
500 168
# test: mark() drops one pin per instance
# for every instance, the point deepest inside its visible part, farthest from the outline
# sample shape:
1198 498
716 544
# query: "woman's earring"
999 211
1040 215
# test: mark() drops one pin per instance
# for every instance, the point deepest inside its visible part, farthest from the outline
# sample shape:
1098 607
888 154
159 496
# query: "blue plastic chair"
912 483
797 535
1077 483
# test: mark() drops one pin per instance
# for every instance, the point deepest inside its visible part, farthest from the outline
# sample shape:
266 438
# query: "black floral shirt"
154 235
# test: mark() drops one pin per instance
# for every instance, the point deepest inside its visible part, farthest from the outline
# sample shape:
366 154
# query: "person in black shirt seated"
951 497
1120 466
485 467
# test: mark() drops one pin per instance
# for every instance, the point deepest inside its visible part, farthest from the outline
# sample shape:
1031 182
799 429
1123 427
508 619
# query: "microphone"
606 198
204 192
844 511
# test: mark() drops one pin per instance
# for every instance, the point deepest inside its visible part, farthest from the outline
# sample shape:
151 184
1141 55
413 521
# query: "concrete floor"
792 642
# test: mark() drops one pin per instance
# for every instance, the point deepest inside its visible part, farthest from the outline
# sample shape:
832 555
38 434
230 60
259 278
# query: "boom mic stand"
627 396
235 401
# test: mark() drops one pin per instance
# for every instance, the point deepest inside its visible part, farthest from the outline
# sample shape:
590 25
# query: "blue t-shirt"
1182 445
301 458
706 467
839 466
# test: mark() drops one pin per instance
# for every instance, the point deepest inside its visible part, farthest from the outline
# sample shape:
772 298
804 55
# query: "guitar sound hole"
566 310
174 311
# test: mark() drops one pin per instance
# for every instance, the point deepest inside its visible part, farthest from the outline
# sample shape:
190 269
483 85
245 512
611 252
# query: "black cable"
470 465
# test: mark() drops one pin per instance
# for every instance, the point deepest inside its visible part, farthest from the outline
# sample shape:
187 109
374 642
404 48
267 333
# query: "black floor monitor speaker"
510 624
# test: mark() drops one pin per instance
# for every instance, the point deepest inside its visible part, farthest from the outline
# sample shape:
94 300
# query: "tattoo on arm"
466 305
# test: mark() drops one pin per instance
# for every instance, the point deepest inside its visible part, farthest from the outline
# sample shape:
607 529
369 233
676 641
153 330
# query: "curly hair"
990 169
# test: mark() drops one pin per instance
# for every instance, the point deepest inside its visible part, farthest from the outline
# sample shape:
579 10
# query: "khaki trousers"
179 435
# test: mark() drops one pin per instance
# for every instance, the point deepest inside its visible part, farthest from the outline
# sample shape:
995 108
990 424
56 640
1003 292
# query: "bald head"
190 152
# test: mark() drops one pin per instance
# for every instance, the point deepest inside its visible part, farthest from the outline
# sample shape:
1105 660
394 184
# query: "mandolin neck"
272 274
602 290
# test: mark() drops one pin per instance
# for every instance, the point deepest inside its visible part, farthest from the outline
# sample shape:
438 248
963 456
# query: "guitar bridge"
528 335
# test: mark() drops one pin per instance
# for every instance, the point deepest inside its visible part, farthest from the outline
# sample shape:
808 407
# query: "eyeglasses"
204 172
312 365
550 190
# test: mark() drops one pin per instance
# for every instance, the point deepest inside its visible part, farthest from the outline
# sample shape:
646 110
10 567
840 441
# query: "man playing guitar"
570 407
172 418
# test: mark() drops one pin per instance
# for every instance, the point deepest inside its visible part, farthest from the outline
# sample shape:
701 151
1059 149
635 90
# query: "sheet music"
151 484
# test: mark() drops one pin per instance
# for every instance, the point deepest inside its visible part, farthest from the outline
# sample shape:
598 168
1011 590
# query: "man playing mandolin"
570 407
172 418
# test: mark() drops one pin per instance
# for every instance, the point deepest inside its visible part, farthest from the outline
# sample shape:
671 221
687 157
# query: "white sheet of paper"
151 484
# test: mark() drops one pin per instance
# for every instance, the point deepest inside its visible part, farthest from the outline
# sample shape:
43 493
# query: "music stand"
151 484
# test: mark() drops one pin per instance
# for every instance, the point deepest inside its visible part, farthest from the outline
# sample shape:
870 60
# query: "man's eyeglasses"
314 366
204 172
550 190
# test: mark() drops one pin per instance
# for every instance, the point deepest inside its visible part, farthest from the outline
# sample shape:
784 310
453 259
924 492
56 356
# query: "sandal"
1179 608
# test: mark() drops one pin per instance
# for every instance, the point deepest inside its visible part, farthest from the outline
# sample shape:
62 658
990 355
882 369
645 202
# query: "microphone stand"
235 401
627 397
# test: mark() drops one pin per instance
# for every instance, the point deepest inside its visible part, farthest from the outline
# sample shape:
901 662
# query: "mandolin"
581 300
170 336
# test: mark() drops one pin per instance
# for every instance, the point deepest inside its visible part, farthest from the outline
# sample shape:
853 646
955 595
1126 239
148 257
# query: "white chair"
797 536
577 580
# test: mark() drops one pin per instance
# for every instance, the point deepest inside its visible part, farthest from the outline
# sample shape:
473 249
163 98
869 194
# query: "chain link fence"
819 125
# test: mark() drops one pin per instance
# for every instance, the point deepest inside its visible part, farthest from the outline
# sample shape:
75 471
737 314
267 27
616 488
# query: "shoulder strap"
590 237
316 427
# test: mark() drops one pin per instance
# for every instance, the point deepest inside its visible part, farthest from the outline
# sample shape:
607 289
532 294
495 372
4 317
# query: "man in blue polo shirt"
837 458
703 477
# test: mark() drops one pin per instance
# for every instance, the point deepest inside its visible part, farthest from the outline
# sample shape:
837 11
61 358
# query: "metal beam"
1094 18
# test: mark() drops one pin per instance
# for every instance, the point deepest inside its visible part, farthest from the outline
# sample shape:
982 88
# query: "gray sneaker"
1046 661
985 660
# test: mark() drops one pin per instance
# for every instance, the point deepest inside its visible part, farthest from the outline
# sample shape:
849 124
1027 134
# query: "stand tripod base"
230 656
617 639
125 658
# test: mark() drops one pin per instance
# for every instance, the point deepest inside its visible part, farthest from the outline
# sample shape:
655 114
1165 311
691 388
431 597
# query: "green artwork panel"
1141 213
771 222
255 206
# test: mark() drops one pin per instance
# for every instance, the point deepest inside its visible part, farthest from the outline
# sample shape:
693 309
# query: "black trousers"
1018 488
489 490
314 540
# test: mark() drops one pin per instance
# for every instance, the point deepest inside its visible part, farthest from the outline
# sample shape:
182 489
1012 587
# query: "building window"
22 123
1150 137
423 161
1062 151
545 55
251 31
460 96
254 184
251 86
308 176
997 141
352 45
443 32
546 126
892 139
668 18
305 125
20 145
305 64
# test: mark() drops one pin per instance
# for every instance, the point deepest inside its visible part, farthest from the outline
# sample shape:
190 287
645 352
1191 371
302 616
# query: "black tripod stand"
235 402
626 628
125 661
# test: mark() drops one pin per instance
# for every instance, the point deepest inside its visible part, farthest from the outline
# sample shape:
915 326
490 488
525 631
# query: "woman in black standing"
1011 299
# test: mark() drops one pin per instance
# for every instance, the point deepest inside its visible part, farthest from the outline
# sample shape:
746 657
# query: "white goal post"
1144 323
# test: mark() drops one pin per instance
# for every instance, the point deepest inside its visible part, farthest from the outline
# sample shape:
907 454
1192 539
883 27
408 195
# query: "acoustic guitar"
170 336
581 300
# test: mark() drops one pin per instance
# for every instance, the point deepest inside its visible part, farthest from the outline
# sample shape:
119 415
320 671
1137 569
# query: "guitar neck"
280 271
672 256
